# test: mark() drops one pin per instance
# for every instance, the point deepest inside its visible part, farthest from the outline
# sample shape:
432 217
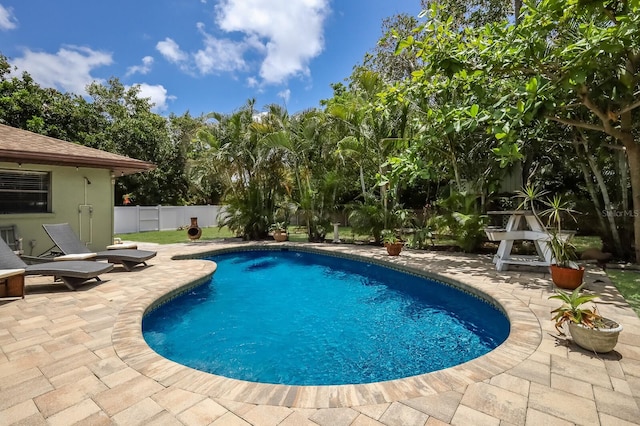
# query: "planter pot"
280 236
599 340
567 278
394 249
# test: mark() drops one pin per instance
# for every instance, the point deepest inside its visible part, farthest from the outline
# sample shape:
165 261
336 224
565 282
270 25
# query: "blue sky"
196 55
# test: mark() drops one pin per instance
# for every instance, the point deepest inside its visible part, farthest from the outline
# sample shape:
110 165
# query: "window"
25 192
9 233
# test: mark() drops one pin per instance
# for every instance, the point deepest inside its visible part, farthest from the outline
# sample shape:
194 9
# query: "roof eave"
119 167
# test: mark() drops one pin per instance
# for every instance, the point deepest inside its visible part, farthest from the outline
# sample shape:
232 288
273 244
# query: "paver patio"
79 358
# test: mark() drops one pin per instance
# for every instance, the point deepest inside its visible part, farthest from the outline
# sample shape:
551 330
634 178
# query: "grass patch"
298 234
628 284
178 236
583 242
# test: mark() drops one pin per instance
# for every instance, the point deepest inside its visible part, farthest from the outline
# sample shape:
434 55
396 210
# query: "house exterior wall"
87 207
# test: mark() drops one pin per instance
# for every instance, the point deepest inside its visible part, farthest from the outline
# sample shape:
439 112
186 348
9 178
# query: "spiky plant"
571 309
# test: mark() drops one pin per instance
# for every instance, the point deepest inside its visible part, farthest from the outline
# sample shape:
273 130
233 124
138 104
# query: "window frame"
42 184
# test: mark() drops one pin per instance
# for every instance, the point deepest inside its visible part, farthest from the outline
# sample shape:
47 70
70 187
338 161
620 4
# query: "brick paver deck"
79 358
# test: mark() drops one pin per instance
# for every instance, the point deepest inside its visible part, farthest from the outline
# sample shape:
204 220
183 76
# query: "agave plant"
530 195
571 309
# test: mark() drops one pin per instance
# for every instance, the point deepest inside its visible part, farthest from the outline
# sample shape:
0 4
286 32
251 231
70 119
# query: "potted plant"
587 327
392 243
565 272
279 230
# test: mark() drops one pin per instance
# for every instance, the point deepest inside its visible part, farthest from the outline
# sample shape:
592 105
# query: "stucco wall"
88 208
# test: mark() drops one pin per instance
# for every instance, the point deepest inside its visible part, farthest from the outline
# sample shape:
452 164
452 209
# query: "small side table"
12 283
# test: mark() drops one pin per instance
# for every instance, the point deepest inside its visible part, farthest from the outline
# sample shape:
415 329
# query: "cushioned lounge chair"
69 244
72 273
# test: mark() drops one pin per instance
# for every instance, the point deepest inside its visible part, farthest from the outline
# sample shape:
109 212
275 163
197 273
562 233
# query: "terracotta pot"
280 236
394 249
567 278
599 340
194 232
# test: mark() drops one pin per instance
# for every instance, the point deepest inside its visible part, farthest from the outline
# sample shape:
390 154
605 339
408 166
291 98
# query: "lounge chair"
72 273
63 236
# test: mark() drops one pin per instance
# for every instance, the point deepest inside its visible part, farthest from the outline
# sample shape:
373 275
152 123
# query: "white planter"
599 340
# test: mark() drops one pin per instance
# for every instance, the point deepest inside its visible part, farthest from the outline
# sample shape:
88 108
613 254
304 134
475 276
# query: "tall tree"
254 180
476 13
135 131
575 63
391 65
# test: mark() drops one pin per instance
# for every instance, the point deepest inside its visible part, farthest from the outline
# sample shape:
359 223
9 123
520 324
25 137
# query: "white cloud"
157 94
171 51
219 54
7 20
284 34
285 95
69 69
293 32
145 68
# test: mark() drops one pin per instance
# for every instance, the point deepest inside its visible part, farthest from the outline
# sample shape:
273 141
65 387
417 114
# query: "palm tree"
297 140
253 178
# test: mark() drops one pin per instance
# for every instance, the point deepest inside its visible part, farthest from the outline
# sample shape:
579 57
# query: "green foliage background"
459 100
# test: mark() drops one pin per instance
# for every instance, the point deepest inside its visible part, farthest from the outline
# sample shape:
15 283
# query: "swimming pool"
338 321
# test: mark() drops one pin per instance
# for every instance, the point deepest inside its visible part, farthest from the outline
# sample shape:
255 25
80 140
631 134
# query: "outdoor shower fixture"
87 209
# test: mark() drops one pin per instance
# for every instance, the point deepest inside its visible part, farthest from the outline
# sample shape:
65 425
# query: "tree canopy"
447 107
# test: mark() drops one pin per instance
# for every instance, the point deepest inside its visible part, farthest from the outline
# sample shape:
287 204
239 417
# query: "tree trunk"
591 188
364 189
623 167
454 165
608 207
624 134
633 156
517 5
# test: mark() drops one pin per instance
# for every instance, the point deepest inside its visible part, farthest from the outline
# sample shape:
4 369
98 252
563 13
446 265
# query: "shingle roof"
22 146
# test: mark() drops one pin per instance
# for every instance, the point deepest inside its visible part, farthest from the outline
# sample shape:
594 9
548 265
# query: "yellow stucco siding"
87 207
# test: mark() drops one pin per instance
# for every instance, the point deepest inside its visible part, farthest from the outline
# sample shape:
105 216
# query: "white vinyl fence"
129 219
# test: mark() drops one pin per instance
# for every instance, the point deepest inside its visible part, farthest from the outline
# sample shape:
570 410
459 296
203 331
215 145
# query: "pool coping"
127 339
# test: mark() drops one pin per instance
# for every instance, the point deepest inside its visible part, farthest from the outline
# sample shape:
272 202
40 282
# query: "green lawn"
628 284
298 234
171 237
582 242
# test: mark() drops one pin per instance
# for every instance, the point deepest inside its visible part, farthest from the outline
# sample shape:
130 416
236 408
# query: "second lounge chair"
72 273
63 236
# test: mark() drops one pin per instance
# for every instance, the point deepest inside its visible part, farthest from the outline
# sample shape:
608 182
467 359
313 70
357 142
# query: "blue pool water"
299 318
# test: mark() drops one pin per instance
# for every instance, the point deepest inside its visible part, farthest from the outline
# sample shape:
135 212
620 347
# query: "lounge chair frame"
66 240
71 273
